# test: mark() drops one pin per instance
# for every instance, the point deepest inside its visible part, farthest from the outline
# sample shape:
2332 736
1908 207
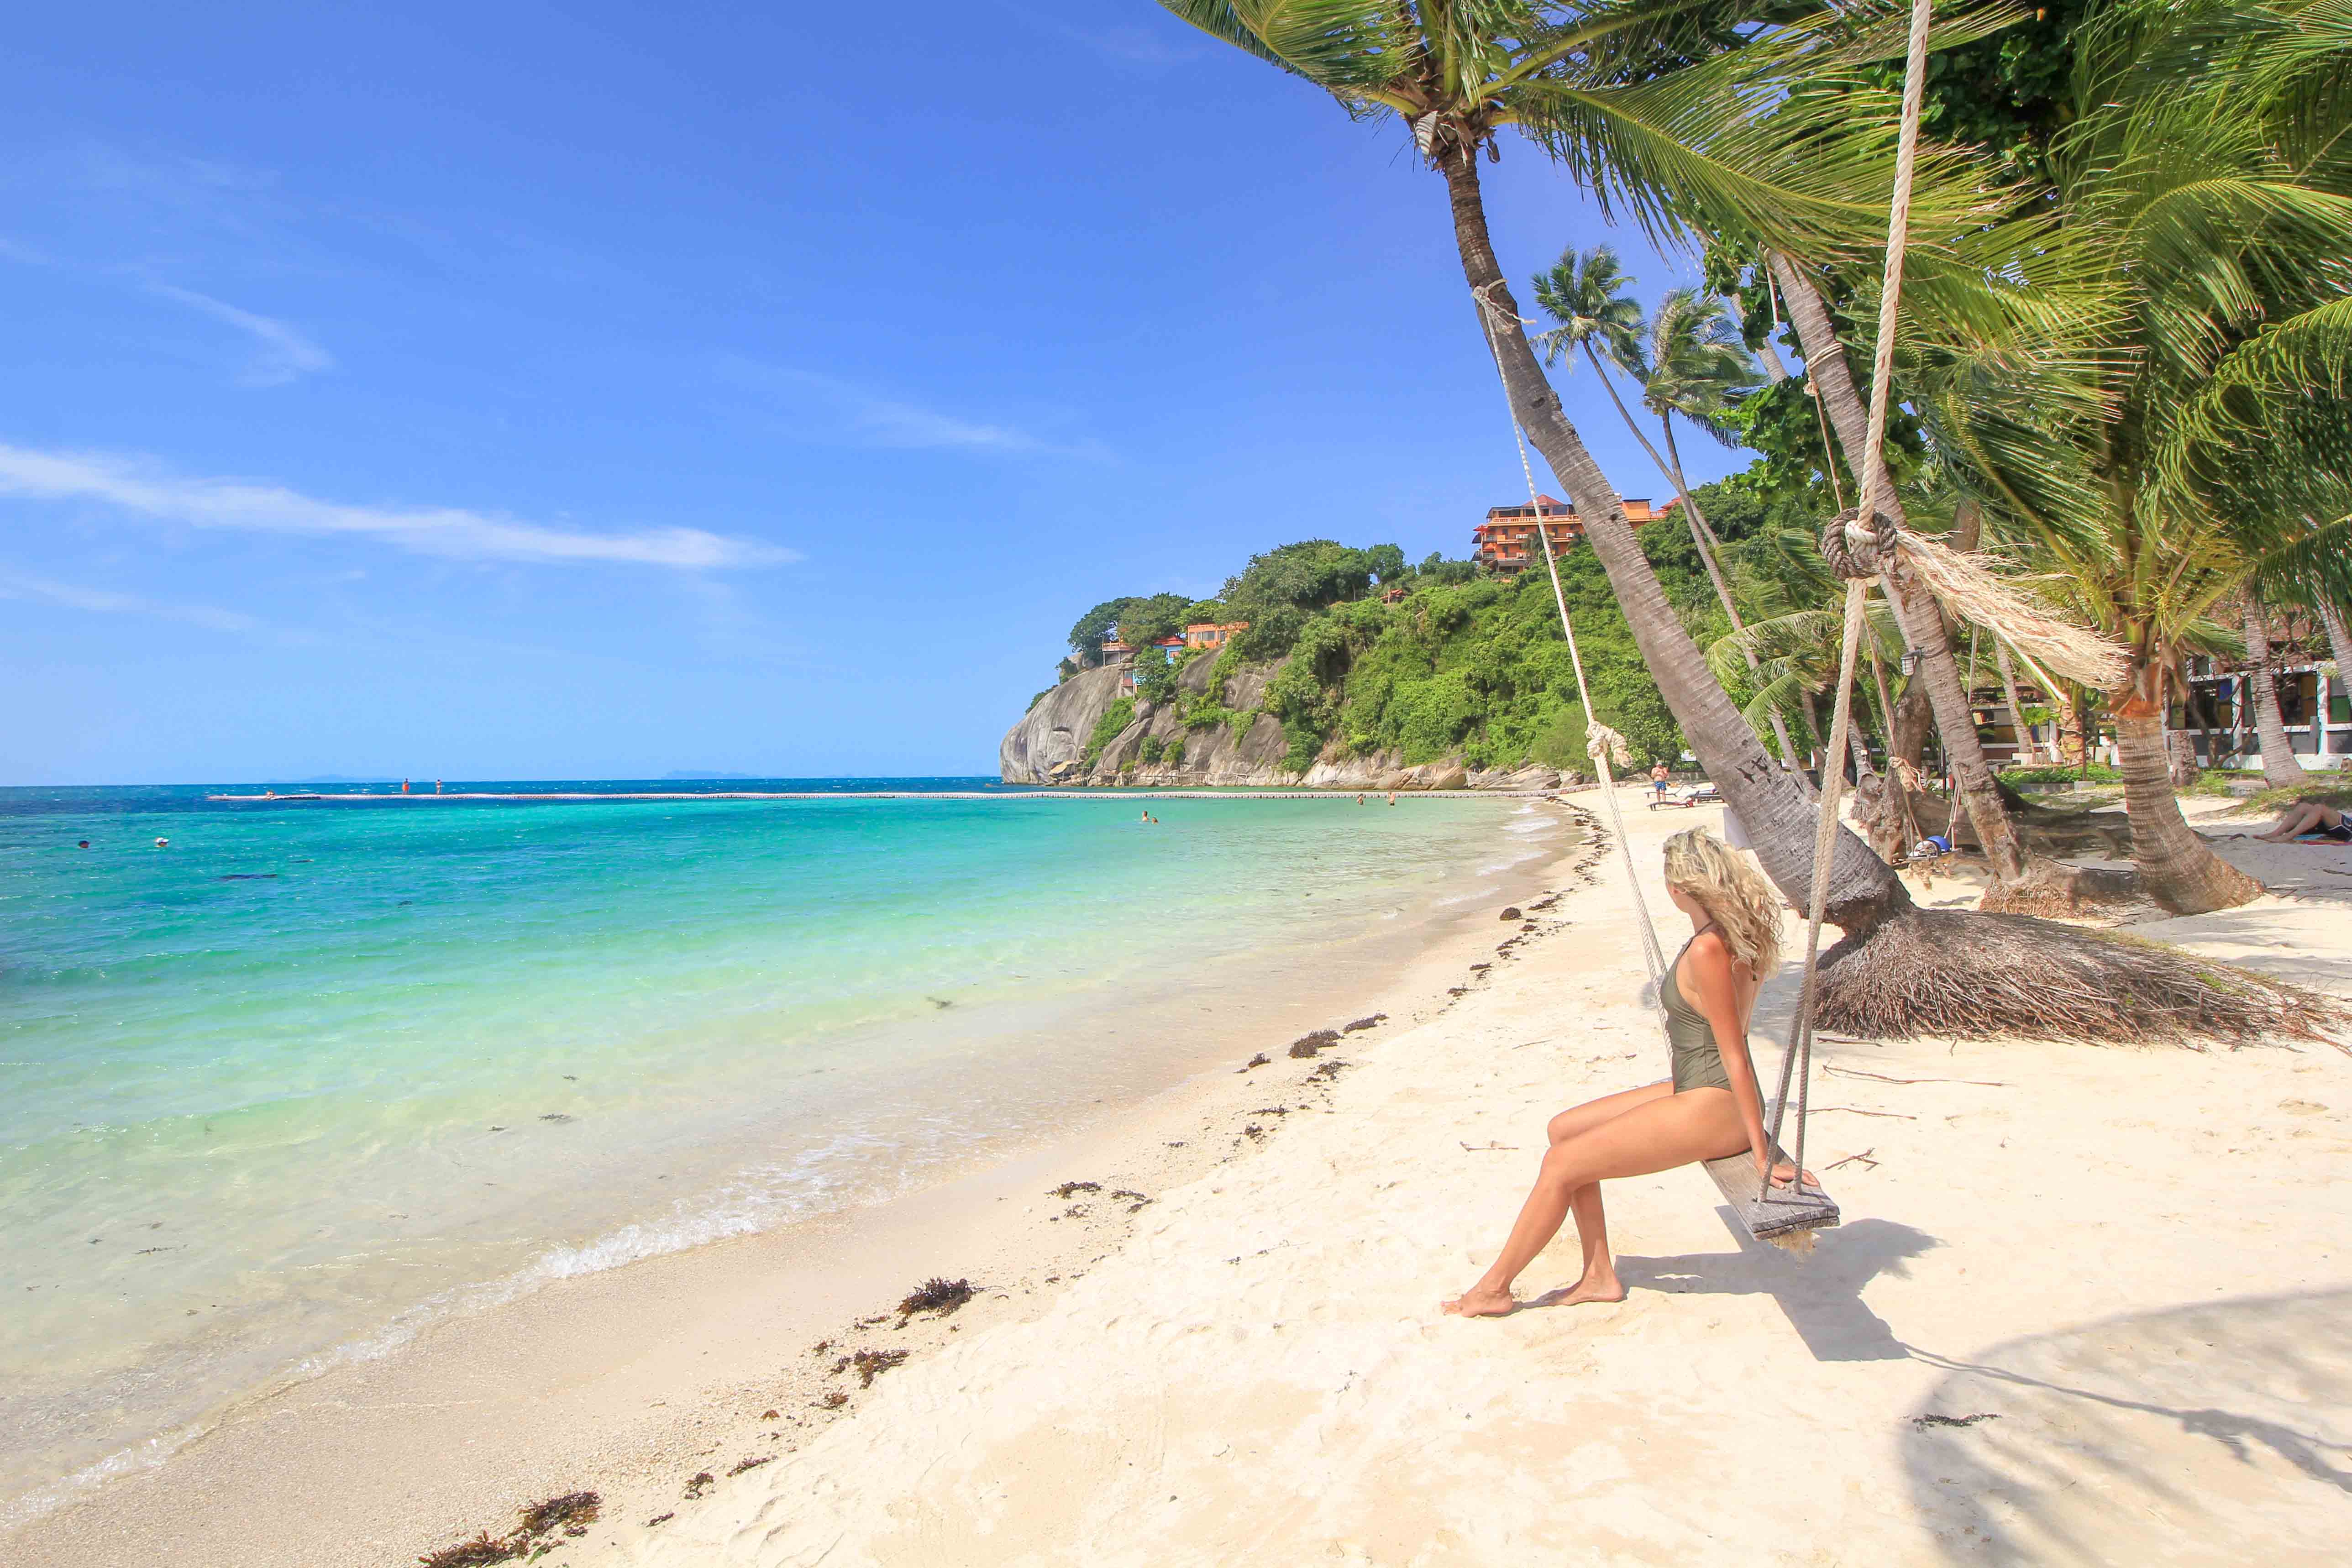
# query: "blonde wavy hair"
1744 906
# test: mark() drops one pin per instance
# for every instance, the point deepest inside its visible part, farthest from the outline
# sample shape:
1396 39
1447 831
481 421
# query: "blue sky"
594 391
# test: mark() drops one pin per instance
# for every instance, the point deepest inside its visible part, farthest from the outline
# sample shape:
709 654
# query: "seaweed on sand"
1308 1044
942 1296
474 1553
870 1365
1072 1188
572 1512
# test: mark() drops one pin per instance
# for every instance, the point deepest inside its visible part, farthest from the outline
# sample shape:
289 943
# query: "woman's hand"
1784 1173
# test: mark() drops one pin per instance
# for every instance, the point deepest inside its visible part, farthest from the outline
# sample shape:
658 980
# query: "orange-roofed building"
1213 633
1506 541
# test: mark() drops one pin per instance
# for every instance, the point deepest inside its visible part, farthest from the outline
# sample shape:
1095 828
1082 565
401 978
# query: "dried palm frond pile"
1965 974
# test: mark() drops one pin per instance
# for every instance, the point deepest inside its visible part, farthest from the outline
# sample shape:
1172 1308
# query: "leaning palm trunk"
2176 868
2339 641
1701 536
1922 619
2017 724
2280 768
1772 805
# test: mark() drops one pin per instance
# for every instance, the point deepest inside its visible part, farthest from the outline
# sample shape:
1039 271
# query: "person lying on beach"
2314 819
1710 1107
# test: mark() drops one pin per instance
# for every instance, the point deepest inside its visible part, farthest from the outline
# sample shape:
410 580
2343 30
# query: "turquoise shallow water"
314 1073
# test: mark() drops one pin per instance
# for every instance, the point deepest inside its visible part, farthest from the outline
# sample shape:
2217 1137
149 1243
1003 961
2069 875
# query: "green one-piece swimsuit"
1698 1060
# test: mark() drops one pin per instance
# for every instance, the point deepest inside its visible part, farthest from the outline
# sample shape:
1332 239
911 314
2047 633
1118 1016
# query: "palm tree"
1585 294
1636 103
1692 118
1923 621
2207 188
2280 768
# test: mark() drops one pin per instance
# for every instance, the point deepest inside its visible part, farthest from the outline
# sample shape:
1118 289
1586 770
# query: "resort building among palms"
1211 634
1506 541
2315 699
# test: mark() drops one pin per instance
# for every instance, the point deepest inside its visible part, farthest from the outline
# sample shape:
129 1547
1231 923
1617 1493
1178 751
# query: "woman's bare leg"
1598 1281
1581 1119
2300 818
1659 1135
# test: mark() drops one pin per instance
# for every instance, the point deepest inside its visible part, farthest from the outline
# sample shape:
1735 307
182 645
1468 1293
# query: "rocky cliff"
1048 746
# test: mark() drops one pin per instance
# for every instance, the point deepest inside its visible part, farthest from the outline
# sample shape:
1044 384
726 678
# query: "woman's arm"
1713 989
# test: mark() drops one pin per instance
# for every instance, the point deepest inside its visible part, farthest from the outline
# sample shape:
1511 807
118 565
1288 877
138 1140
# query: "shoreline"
1009 793
577 1384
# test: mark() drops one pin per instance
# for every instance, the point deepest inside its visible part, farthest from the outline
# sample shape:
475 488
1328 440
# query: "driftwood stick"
1882 1078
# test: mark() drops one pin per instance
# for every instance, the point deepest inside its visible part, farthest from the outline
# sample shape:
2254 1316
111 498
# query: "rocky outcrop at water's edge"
1048 745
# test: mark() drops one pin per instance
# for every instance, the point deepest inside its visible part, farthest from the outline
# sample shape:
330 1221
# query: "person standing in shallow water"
1708 1108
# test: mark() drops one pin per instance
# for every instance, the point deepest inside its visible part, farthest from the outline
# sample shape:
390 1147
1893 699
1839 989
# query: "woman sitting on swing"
1709 1108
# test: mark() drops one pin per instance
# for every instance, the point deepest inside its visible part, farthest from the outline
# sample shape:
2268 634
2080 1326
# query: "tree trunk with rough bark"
1779 816
2280 768
2339 641
2017 724
2176 868
1922 618
2182 753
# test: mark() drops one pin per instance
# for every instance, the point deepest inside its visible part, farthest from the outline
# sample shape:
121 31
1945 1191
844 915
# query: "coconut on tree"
1694 119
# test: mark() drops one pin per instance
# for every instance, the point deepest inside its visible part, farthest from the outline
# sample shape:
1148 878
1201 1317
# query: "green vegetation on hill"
1464 663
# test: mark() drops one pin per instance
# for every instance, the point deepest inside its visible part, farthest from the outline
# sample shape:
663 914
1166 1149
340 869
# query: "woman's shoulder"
1712 961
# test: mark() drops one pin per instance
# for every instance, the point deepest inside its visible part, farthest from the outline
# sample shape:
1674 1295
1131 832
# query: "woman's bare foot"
1477 1302
1585 1291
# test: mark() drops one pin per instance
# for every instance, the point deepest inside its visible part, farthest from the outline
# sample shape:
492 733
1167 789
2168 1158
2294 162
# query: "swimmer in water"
83 845
161 842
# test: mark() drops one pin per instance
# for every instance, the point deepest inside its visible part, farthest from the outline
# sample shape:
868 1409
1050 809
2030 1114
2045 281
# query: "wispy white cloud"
285 354
447 531
826 406
104 601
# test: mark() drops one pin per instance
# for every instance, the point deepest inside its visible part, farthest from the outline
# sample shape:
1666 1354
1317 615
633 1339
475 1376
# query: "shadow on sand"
1820 1294
2106 1444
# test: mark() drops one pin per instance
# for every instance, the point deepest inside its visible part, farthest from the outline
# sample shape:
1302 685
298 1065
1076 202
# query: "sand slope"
2135 1265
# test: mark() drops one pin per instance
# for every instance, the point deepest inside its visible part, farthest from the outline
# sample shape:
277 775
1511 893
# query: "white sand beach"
2089 1304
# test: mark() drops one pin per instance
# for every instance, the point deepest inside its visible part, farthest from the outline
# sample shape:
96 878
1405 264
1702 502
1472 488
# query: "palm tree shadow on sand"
2214 1434
1822 1295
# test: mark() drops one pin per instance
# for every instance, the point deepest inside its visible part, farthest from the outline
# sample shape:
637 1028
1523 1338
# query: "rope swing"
1858 545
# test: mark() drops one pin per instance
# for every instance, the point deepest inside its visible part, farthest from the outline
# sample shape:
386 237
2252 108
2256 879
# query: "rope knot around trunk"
1855 553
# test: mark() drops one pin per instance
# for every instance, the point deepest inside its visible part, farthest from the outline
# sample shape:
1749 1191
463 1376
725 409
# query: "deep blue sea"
312 1074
